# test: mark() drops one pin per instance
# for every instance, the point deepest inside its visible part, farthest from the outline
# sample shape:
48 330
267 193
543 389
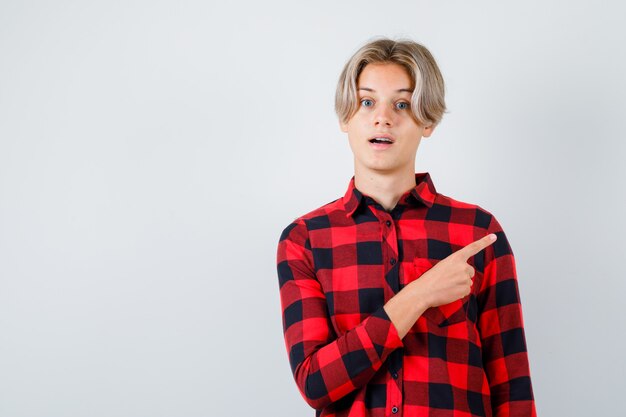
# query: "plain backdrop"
151 152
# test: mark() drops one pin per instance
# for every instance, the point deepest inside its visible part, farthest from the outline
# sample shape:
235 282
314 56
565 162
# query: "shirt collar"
423 193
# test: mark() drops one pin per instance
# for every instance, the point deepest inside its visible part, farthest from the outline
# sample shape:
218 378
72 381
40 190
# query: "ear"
343 127
429 130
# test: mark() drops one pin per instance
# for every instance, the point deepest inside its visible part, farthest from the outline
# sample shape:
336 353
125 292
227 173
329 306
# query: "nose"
383 117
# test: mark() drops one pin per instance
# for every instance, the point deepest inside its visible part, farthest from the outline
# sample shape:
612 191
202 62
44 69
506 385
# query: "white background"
151 152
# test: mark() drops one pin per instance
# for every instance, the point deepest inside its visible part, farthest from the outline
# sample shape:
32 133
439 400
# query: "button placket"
391 232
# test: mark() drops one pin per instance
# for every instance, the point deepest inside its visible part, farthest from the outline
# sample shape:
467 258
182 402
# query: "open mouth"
381 140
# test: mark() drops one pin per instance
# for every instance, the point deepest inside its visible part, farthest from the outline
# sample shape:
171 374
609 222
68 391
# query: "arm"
325 367
502 331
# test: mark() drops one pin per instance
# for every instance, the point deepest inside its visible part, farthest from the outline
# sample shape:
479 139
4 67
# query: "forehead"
384 76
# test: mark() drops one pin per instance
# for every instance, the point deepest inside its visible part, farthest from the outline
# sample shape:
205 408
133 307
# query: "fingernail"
492 237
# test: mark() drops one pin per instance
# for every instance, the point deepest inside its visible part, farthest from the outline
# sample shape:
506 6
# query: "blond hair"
427 100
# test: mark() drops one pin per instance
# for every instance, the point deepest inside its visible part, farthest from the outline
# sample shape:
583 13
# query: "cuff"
382 333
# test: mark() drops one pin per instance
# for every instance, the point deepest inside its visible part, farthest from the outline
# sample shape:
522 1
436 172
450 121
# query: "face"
384 93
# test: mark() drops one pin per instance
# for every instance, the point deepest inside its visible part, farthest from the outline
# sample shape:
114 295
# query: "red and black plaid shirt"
338 265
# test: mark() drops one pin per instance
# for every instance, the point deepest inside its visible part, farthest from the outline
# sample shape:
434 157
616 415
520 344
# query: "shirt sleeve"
326 367
502 335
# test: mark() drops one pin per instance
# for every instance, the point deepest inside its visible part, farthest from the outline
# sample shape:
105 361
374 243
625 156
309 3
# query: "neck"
385 188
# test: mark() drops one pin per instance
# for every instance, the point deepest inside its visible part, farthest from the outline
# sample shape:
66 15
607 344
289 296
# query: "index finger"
476 246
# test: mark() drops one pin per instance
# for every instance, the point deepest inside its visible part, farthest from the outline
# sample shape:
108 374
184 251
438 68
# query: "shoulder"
480 216
315 219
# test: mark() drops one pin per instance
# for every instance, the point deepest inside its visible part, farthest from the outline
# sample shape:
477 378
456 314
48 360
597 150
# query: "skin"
385 175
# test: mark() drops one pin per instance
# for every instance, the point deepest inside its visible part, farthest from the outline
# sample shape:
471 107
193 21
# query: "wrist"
421 296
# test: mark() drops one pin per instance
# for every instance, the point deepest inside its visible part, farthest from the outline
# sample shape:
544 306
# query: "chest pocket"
447 314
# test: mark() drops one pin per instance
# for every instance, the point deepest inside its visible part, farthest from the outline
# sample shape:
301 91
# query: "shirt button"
388 222
394 409
393 261
395 375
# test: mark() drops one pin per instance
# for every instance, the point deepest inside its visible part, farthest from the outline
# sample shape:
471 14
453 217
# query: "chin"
383 169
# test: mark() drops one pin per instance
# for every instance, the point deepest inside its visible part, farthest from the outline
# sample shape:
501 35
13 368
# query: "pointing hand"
451 278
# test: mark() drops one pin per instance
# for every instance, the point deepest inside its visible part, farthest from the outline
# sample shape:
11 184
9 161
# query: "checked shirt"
339 264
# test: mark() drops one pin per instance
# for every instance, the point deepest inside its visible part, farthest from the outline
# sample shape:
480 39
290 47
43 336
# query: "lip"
380 146
382 135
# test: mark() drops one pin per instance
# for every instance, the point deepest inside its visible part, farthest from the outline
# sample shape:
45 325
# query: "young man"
396 299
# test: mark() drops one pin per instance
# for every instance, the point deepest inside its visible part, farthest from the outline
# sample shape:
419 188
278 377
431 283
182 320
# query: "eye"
366 102
403 105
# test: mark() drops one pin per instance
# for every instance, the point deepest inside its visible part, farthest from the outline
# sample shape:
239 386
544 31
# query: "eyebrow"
407 90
